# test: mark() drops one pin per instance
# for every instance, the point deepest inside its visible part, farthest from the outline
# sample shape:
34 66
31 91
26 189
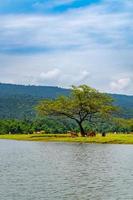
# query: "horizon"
68 42
56 86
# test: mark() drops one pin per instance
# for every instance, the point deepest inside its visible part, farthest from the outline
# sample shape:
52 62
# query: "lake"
65 171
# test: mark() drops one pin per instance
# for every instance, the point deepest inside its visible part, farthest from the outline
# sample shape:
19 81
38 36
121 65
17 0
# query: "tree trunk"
103 134
82 131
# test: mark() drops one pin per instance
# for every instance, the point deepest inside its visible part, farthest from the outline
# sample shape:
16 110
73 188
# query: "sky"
67 42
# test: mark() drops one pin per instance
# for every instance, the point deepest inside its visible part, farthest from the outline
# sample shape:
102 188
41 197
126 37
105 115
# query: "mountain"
125 102
19 101
31 90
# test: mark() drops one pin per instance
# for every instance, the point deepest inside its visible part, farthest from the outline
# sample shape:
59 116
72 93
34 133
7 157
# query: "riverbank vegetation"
85 110
59 126
109 139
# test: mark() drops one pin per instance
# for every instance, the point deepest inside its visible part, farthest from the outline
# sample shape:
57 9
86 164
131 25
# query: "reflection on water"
61 171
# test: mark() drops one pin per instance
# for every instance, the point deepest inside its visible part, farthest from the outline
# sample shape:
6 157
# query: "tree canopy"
83 104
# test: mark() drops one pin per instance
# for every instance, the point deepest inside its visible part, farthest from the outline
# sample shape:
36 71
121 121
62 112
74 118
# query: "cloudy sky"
65 42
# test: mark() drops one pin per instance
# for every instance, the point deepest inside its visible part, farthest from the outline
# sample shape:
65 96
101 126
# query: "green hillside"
125 103
18 101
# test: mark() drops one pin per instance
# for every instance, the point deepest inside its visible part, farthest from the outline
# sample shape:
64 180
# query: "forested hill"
125 102
35 91
18 101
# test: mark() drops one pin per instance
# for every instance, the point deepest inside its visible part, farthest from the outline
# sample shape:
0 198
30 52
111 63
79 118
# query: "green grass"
110 138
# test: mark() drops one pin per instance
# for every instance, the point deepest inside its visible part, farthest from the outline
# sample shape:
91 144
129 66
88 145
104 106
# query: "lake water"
62 171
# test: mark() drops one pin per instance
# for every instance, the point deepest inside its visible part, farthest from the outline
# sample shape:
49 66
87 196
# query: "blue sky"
65 42
43 6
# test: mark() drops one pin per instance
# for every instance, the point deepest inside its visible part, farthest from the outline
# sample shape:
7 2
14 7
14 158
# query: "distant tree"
83 104
123 125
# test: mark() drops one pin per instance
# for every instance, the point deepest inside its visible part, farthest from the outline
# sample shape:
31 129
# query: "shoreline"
108 139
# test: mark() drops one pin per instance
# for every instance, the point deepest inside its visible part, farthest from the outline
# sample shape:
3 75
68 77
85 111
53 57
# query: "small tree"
83 104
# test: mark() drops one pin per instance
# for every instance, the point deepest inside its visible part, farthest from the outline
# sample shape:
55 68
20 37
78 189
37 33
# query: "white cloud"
94 68
76 78
120 84
58 77
89 27
50 75
83 76
85 45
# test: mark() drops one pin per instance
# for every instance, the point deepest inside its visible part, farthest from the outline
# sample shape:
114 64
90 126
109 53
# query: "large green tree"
83 104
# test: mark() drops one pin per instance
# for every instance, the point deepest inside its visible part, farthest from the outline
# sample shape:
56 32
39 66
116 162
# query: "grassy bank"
110 138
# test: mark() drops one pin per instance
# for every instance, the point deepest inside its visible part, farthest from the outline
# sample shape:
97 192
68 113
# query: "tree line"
56 125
